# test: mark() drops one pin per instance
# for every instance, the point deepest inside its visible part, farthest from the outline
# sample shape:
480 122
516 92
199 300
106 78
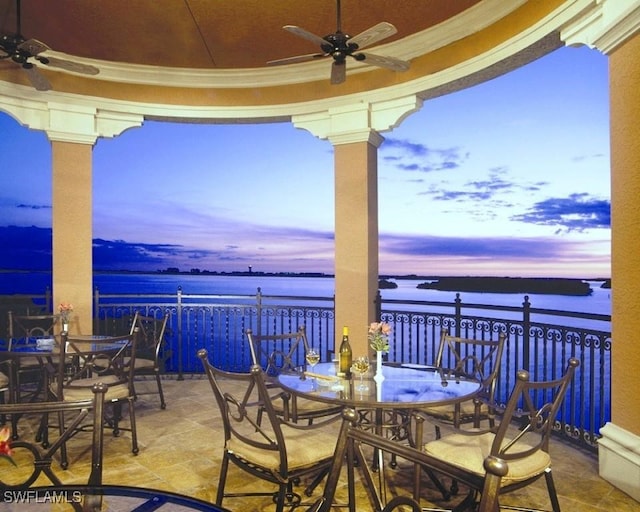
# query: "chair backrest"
479 359
41 458
241 398
151 333
83 359
24 327
535 406
277 353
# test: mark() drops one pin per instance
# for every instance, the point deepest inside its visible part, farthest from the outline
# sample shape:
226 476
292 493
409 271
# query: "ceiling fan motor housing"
339 47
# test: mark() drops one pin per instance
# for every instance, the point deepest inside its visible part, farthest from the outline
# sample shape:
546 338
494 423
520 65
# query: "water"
32 283
587 392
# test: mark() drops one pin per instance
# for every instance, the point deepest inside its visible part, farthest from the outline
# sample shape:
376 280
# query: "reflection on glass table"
409 385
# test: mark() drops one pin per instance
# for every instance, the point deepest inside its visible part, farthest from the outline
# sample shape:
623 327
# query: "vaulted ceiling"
209 34
215 52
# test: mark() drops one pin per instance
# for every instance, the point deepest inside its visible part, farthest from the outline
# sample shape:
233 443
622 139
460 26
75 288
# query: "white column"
612 26
353 130
72 130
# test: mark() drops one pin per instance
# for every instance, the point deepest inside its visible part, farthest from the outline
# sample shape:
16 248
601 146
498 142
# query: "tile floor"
180 448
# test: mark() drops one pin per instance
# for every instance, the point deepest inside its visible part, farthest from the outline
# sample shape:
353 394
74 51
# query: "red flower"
5 448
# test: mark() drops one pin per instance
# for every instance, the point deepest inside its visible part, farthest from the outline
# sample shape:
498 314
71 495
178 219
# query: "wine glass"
361 366
312 357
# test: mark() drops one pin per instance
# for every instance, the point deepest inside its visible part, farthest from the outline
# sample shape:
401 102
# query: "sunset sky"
510 177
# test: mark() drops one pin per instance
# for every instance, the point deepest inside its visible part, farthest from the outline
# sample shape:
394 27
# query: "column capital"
358 122
603 24
68 122
76 123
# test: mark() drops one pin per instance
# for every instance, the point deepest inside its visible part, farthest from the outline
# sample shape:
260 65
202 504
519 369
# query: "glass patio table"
37 352
382 406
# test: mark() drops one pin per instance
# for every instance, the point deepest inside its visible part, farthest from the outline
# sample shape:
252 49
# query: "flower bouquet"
379 336
379 341
65 310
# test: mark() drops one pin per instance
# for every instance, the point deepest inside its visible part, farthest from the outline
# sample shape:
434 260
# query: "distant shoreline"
551 285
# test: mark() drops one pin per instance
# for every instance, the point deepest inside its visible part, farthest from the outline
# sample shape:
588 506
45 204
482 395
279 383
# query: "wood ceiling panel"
208 33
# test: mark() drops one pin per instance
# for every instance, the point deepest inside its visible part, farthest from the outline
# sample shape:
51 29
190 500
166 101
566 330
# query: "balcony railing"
538 340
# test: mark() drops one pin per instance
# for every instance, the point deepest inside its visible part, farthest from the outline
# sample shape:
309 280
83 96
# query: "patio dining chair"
278 353
479 359
85 361
151 338
27 374
509 456
475 358
35 464
23 327
24 330
274 450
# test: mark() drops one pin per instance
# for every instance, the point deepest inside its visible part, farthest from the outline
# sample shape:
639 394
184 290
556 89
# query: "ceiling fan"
339 46
23 51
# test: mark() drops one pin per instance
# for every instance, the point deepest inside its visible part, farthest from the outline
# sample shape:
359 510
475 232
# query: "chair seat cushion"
141 363
30 362
81 389
469 451
304 449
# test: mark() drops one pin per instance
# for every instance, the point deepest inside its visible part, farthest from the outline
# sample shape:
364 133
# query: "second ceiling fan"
339 46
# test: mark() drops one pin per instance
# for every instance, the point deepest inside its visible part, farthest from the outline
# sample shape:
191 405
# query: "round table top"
404 385
45 345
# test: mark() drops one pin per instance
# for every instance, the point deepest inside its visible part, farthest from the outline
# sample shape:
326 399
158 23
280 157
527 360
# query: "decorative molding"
465 74
68 120
29 113
71 123
605 25
372 110
81 124
358 121
619 459
111 123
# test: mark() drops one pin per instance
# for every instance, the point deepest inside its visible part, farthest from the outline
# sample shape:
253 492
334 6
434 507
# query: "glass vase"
378 377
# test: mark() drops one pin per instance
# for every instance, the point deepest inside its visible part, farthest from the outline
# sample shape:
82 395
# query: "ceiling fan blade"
338 72
385 62
299 58
37 79
305 34
33 47
373 34
75 67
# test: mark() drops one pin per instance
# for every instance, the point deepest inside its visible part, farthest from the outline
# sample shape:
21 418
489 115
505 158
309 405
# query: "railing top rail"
495 307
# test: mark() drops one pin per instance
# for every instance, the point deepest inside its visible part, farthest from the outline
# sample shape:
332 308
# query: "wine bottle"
346 355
